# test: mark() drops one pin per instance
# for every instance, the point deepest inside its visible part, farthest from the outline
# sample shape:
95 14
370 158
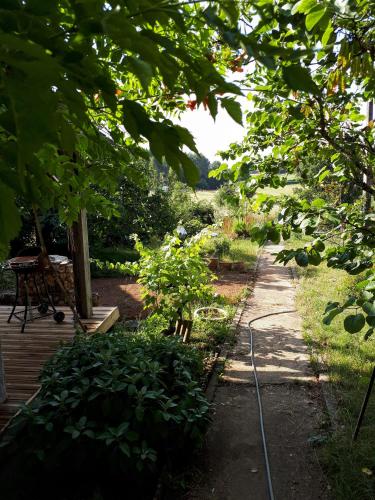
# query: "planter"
225 266
239 267
213 263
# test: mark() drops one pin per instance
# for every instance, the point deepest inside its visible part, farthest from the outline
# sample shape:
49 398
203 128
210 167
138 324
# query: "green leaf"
354 323
233 108
299 78
303 6
318 203
368 334
369 308
124 447
327 320
314 257
314 16
327 34
302 258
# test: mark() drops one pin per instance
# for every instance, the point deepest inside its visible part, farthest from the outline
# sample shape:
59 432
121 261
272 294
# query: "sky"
212 136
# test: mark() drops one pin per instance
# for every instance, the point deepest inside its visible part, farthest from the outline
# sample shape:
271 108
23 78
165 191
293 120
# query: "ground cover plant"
115 407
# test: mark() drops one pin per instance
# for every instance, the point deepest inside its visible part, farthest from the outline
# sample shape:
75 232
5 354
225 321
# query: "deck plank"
24 354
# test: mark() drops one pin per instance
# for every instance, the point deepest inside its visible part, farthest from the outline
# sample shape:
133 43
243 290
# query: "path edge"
227 348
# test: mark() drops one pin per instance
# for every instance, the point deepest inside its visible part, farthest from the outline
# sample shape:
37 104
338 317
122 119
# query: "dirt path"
233 463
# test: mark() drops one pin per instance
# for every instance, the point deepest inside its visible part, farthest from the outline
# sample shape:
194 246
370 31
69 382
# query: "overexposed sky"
212 136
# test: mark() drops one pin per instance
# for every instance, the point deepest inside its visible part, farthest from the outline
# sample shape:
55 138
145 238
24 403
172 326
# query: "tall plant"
174 277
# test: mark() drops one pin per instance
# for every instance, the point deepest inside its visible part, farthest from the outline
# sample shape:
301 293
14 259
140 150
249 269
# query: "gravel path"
232 465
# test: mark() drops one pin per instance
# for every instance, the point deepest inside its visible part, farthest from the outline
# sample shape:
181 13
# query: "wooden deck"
25 353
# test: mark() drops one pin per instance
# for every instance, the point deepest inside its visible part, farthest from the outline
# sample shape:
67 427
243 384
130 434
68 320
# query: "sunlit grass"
243 250
349 361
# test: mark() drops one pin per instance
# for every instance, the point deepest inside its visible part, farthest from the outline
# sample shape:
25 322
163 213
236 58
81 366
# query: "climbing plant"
307 114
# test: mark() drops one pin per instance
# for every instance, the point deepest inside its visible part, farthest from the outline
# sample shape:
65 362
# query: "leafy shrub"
218 246
174 276
208 335
111 408
203 211
196 215
242 229
193 226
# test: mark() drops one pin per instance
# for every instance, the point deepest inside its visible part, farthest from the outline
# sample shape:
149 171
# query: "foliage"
310 112
113 407
228 196
205 167
97 69
210 335
241 228
194 216
217 246
143 206
349 361
174 276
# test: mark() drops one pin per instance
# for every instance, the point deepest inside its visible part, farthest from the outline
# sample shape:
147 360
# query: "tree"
79 78
308 113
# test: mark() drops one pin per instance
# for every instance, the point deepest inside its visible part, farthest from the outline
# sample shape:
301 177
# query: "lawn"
204 195
348 360
242 250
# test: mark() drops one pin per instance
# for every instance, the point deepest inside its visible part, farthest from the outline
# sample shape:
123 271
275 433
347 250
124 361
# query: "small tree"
174 277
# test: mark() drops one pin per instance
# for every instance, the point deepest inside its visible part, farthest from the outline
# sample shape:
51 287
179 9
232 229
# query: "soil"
126 293
232 465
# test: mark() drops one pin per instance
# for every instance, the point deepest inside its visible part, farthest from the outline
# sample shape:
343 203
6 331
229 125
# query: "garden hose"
260 407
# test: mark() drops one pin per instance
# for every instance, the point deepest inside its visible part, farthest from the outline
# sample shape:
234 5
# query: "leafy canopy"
84 83
306 120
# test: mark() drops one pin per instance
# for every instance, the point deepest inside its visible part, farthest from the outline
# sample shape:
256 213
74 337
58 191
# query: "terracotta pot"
239 267
225 266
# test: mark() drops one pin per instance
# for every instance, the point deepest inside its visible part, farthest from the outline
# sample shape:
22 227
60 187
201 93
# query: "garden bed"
126 292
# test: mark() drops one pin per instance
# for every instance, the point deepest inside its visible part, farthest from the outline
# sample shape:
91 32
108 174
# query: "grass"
205 195
349 361
242 250
287 190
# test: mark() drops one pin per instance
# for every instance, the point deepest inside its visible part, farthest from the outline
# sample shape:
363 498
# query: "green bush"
111 411
193 226
175 276
242 229
218 246
196 215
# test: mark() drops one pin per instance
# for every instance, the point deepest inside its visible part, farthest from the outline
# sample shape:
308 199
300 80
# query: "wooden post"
81 266
3 392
